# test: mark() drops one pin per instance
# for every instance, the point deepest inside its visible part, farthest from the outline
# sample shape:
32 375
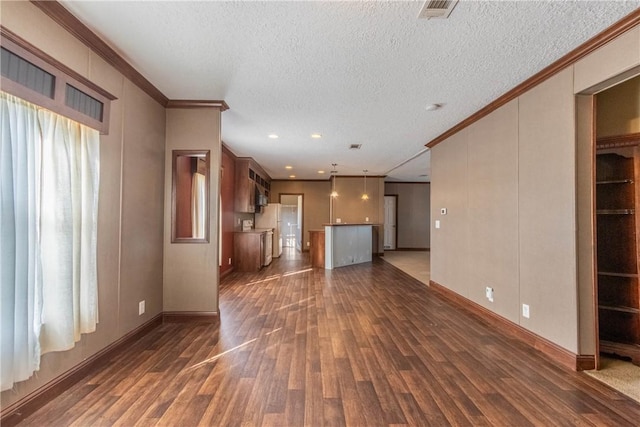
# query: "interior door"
390 218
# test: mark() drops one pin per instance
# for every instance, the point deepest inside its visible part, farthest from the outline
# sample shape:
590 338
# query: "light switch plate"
437 223
525 310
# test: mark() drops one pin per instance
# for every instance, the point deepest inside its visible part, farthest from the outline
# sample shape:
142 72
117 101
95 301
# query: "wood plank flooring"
365 345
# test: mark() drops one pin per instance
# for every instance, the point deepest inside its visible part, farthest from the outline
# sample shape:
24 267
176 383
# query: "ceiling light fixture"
433 107
316 135
365 196
334 193
273 136
288 167
321 172
292 176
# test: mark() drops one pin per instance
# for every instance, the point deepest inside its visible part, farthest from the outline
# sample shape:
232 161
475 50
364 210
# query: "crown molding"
73 25
620 27
188 103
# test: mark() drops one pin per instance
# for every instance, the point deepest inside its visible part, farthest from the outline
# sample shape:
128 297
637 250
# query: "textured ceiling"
356 72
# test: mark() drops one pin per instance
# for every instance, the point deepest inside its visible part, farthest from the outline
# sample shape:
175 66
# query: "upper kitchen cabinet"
252 186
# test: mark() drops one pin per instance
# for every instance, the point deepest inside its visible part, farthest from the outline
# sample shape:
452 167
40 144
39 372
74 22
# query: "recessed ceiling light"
316 135
273 136
292 176
433 107
288 167
320 171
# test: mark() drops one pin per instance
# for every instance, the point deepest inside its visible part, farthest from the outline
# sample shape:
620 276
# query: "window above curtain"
32 75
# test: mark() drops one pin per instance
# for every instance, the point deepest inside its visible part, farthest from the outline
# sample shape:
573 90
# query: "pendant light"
334 193
365 196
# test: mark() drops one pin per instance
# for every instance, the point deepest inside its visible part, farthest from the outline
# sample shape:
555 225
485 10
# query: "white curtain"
19 245
198 205
48 265
68 230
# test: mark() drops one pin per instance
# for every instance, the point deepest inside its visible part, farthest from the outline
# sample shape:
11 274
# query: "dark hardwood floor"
364 345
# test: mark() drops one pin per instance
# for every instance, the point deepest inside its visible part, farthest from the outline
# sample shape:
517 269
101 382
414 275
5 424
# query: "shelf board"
615 181
615 211
619 308
609 273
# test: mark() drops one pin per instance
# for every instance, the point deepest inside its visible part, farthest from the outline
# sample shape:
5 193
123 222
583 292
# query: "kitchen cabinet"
317 248
252 249
251 182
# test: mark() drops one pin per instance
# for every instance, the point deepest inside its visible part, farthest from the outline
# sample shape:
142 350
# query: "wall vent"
440 9
355 146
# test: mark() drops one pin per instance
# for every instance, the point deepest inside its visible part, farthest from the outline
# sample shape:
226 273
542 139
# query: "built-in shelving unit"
617 254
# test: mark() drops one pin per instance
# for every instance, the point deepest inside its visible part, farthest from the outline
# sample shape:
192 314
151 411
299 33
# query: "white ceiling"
357 72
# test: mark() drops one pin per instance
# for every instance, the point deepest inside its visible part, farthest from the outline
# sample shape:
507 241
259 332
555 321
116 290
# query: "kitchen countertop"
351 223
254 230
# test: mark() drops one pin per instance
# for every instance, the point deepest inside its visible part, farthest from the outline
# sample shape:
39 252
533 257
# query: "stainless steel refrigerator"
270 218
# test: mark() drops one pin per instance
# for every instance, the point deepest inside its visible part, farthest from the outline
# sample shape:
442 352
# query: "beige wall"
618 109
493 210
414 213
191 272
349 206
547 215
509 182
131 197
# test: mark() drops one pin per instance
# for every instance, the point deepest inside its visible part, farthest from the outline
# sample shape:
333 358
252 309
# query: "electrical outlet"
489 293
229 261
141 308
525 310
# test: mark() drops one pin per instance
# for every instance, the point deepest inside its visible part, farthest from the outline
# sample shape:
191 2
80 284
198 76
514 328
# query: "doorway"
390 222
292 220
617 197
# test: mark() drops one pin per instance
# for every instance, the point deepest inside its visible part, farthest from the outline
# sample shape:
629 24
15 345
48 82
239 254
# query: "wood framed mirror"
190 196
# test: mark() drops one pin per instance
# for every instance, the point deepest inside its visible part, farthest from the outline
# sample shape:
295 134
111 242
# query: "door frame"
302 240
587 261
396 230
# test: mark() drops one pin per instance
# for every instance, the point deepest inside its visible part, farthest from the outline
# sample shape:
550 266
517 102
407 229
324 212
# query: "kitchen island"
347 244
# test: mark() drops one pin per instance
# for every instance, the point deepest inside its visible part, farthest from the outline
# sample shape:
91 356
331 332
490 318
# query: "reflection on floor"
415 263
618 374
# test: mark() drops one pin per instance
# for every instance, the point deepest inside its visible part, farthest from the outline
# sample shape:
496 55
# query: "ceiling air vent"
355 146
437 9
